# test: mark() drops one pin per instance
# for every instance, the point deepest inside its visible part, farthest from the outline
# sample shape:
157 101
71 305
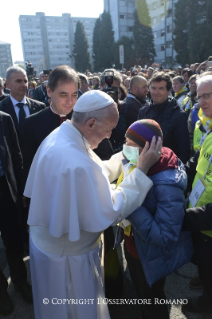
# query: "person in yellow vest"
180 89
198 216
189 101
154 243
201 128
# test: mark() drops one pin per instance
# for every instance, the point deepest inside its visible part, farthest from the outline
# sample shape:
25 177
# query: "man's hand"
149 155
203 65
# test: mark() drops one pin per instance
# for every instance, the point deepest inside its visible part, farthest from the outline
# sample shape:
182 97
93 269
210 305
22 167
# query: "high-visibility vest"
204 173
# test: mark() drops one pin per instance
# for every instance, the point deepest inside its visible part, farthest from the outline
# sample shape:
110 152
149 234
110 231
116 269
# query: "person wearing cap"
154 243
72 203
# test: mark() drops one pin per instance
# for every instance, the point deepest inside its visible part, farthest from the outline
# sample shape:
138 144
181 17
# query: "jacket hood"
175 177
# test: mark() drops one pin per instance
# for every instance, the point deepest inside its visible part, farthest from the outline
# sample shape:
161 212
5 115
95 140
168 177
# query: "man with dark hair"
17 104
165 110
11 211
84 84
179 88
186 73
63 88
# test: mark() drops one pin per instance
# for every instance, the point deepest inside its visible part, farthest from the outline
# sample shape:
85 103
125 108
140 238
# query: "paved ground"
176 288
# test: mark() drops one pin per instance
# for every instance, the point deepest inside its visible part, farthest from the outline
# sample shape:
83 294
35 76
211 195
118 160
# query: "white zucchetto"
92 100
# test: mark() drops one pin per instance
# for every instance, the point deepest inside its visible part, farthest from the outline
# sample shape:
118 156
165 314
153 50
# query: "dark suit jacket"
11 158
132 107
39 96
7 106
3 97
36 128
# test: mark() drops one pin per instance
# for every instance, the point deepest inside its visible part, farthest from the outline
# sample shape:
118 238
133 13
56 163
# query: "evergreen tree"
144 51
128 52
96 44
180 33
192 32
82 56
106 46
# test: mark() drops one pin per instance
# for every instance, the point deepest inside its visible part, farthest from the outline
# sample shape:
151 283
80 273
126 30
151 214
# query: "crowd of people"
80 153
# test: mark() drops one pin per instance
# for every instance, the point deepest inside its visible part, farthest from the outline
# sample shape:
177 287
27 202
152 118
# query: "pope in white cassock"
72 203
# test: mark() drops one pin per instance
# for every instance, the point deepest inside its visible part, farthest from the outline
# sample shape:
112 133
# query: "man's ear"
48 91
90 124
7 84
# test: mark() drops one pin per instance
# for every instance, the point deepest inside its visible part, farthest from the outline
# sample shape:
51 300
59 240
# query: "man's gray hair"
1 82
117 76
14 69
41 73
100 115
204 79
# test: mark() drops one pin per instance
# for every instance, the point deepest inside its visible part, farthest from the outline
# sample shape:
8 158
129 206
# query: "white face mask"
131 153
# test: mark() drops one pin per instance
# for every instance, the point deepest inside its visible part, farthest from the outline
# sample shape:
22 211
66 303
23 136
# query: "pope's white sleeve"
114 166
134 189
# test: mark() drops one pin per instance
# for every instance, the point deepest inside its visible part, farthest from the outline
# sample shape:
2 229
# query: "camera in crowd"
29 70
109 89
47 72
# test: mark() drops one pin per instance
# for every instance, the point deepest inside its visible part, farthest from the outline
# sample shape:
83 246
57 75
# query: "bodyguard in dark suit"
11 190
17 104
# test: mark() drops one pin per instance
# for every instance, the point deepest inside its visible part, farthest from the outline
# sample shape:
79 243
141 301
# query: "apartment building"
47 41
5 57
161 13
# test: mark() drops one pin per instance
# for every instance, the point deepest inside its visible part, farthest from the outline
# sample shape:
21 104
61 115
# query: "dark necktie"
22 116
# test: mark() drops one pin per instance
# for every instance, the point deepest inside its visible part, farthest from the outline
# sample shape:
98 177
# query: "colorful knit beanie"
142 131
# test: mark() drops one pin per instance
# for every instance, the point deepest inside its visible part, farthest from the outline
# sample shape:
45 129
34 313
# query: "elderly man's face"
103 130
205 101
64 97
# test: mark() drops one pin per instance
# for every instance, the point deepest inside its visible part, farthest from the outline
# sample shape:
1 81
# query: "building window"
155 34
154 20
130 29
169 44
162 33
154 5
162 47
121 16
169 28
169 13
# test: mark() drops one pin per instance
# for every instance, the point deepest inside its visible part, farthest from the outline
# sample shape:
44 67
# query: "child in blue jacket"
154 244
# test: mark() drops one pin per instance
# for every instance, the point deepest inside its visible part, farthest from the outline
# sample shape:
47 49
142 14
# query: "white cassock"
71 204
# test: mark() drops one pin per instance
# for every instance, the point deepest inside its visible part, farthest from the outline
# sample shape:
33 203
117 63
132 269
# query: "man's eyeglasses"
204 96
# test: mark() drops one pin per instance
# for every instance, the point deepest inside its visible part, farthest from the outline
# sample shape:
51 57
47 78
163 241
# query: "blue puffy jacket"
161 245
